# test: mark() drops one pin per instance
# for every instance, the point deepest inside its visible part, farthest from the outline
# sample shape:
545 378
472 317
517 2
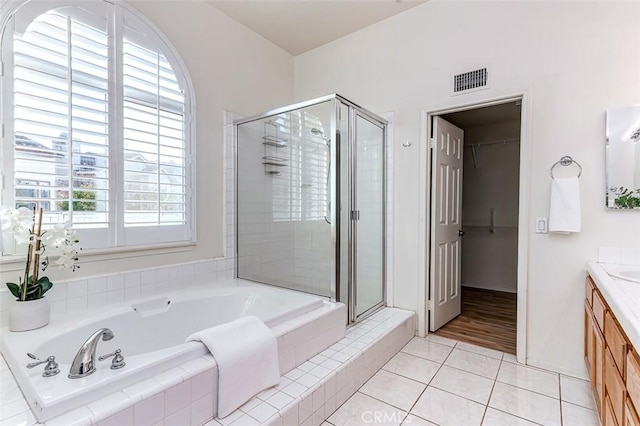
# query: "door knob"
460 232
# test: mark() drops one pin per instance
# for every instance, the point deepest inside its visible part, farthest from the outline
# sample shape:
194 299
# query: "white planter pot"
29 315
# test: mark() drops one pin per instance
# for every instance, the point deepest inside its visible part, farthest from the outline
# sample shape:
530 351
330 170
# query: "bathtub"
151 333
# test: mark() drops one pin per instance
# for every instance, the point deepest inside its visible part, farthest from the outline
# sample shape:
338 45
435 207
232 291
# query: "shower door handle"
355 214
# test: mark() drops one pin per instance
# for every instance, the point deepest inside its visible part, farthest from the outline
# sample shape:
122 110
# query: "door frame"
524 185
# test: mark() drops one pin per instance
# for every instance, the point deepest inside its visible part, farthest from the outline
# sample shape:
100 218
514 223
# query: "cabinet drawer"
598 309
614 386
631 417
633 378
588 290
616 342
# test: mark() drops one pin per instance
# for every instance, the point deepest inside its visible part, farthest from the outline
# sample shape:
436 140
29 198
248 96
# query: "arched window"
97 127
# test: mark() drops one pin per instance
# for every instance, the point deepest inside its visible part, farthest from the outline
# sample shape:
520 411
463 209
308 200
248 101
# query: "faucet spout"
84 362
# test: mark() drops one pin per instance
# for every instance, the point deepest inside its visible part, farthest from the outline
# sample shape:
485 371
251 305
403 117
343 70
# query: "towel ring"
566 161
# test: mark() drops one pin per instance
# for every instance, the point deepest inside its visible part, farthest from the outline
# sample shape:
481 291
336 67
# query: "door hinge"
432 143
430 305
355 214
1 69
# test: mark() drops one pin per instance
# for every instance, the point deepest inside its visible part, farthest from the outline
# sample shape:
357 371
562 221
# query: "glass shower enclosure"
310 201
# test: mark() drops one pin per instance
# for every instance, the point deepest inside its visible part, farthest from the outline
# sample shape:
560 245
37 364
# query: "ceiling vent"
470 81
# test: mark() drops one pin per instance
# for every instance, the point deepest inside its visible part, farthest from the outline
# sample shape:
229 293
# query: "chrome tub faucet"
84 362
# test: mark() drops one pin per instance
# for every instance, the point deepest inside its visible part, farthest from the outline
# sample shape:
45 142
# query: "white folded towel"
246 352
564 206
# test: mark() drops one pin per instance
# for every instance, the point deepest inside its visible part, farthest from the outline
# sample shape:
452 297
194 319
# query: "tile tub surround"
298 339
308 394
95 292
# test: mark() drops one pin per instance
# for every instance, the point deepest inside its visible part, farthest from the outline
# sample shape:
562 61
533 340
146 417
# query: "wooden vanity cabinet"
630 415
612 362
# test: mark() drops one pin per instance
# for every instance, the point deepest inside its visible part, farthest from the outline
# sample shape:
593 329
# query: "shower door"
367 213
310 197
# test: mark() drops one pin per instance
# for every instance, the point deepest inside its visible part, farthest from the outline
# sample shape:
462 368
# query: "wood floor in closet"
488 319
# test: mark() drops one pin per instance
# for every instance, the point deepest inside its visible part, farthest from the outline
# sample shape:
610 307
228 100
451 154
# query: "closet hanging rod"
498 142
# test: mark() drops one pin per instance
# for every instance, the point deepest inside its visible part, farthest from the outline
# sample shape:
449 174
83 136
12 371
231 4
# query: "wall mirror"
623 157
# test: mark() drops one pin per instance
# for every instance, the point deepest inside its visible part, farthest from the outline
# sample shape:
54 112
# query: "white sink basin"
633 274
627 274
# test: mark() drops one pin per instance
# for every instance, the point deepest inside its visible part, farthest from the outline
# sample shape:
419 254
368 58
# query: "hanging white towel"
246 352
564 206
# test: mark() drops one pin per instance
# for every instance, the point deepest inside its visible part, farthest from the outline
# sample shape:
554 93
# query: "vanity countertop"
622 296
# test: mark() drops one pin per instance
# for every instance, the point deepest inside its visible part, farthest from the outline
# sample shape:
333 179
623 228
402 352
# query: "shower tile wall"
284 238
296 253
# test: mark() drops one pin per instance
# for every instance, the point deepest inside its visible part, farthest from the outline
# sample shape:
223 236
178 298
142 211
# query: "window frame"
115 237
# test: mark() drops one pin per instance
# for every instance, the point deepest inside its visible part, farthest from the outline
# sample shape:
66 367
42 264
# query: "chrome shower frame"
337 181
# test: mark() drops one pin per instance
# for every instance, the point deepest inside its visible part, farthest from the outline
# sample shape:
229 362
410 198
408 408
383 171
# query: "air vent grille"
477 79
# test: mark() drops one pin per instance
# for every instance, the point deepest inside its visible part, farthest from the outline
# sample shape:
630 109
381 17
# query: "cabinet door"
588 342
598 365
614 386
630 415
609 418
616 342
633 377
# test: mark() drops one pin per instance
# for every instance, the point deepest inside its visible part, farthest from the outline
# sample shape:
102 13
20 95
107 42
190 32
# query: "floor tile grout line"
428 384
471 372
528 390
418 356
578 405
486 408
478 353
515 415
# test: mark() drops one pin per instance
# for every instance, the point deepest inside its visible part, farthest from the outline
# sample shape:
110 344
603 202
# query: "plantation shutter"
61 117
155 152
315 172
101 141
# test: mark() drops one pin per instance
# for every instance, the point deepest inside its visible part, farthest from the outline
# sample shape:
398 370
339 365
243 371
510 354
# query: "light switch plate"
541 225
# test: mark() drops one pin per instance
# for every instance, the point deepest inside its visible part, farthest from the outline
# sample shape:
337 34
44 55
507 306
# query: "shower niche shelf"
273 142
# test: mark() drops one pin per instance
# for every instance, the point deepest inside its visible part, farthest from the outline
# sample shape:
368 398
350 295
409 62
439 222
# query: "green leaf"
36 295
44 284
14 289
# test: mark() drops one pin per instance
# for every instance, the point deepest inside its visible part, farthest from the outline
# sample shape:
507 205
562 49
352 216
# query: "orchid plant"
59 241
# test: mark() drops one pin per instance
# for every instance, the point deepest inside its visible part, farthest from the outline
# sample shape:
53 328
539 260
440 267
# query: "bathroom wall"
573 60
490 260
232 68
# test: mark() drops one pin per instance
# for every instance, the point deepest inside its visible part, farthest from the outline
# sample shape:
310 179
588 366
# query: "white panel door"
446 223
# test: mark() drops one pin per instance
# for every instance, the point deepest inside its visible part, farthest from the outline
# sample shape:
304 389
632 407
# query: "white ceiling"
301 25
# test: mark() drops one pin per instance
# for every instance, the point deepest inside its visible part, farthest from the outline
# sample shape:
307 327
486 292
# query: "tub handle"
51 369
117 361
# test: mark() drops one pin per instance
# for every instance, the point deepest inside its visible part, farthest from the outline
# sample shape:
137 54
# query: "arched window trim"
156 37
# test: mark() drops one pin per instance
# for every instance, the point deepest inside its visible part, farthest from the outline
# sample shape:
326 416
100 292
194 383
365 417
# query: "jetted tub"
151 333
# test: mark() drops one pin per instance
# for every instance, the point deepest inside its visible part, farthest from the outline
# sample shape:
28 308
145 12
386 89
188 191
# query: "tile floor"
439 381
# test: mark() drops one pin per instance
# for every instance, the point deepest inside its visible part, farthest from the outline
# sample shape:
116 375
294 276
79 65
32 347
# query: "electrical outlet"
541 225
